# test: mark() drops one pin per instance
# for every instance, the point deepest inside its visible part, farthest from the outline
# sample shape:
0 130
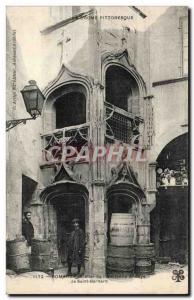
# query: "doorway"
169 219
68 208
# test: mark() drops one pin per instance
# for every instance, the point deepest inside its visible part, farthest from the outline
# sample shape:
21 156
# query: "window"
122 90
70 105
184 41
67 107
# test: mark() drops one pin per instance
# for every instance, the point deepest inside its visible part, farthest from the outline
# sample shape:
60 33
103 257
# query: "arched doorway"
124 218
64 201
169 219
67 207
122 202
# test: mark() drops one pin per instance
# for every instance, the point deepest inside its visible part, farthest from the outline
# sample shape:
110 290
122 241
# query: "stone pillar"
52 220
105 227
143 228
152 176
98 264
98 185
37 215
97 130
88 237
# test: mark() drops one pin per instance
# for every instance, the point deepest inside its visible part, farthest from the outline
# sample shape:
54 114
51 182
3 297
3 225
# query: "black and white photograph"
97 150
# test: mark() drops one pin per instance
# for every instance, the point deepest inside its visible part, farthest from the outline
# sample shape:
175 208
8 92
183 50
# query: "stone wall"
23 141
170 99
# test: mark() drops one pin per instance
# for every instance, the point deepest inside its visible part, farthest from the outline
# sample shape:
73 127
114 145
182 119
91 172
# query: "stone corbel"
98 182
97 83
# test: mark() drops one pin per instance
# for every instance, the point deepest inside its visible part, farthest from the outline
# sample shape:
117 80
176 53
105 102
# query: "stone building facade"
106 84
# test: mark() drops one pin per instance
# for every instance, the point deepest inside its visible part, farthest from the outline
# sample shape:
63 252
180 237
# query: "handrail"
69 128
123 112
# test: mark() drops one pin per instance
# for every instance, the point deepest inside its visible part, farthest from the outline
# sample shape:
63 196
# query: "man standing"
76 246
27 228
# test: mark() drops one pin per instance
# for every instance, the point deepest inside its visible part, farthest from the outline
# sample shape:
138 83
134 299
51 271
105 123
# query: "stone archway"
63 201
124 198
128 226
162 140
169 219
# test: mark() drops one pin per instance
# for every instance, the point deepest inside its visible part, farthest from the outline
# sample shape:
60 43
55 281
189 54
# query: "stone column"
98 183
98 265
97 129
52 214
88 236
143 228
152 190
37 215
152 176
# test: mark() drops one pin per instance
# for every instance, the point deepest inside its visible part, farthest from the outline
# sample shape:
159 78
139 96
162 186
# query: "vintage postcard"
97 150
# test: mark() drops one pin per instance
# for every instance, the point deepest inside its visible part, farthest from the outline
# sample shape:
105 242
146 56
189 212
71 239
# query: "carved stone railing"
53 143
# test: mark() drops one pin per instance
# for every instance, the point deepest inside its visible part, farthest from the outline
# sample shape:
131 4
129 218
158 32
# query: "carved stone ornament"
123 173
64 172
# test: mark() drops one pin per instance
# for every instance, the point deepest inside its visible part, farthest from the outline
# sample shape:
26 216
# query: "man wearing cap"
27 228
76 245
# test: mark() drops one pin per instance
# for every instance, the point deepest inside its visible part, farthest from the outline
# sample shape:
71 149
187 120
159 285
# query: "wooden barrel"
120 261
122 229
145 259
18 255
143 234
145 250
41 255
143 267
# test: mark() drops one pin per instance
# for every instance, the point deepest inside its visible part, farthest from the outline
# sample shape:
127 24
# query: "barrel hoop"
129 245
120 270
139 253
118 256
40 255
150 245
118 235
126 245
16 241
145 257
40 240
13 255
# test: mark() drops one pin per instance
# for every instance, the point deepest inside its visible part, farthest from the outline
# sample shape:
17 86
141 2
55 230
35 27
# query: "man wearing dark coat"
76 246
27 228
